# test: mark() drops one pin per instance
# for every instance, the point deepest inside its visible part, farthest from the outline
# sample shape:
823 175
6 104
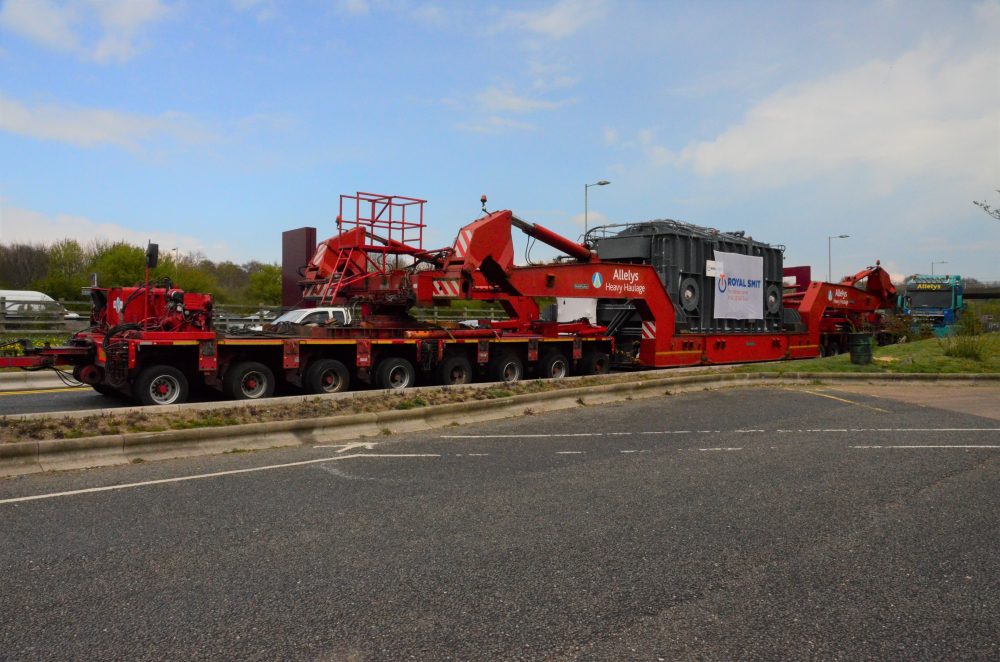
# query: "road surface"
753 523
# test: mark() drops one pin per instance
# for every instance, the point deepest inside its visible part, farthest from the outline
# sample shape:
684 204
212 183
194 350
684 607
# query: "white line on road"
740 431
216 474
929 446
569 452
720 449
525 436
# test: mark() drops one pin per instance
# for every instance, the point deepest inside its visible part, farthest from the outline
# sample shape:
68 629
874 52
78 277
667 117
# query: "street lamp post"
829 255
586 210
939 262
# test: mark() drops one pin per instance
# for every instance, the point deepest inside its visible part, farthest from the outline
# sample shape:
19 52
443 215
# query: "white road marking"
671 432
934 446
478 454
216 474
341 448
569 452
739 431
720 449
522 436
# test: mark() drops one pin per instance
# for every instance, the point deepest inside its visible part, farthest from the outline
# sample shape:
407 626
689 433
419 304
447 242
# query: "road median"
31 456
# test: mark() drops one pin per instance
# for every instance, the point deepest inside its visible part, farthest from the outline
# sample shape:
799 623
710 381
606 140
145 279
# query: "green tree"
120 264
232 280
265 284
67 271
192 276
21 265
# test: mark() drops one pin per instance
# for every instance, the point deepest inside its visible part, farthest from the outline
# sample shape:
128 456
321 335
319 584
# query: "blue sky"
214 126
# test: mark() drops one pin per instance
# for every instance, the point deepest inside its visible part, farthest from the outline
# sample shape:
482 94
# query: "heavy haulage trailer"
655 291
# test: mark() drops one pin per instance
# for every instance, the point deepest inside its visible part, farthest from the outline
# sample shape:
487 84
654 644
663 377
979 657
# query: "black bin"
860 346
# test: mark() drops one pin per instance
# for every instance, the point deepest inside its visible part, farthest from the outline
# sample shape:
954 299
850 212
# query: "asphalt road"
739 524
60 399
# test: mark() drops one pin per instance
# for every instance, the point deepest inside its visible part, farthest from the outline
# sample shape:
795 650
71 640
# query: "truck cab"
934 301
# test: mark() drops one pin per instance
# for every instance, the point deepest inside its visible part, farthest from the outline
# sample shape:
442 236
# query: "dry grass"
13 429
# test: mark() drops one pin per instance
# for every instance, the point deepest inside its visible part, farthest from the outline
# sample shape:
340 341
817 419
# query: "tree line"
62 268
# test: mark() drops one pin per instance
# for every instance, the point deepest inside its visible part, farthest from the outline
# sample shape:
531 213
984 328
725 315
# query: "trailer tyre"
395 373
104 389
455 370
327 376
506 368
595 363
248 380
160 385
553 365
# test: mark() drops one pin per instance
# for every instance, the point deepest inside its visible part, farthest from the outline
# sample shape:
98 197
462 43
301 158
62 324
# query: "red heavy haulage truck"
642 295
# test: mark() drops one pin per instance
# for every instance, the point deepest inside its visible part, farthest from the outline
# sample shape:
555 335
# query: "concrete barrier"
24 380
60 454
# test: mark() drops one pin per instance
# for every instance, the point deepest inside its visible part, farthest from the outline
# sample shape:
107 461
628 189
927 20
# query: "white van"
27 303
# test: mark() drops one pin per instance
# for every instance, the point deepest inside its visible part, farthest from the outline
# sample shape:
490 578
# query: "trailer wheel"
248 380
327 376
595 363
104 389
506 368
395 373
160 385
455 370
553 366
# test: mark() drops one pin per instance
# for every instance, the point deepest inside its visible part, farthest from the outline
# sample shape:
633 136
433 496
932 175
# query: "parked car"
340 316
26 304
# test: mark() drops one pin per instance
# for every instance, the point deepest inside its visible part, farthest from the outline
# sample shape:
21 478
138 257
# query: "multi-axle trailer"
651 302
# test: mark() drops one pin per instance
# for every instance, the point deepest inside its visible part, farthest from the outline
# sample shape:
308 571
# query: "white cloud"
30 226
495 124
560 20
263 10
92 127
494 100
593 219
41 21
610 135
430 14
548 76
504 99
120 25
354 7
930 111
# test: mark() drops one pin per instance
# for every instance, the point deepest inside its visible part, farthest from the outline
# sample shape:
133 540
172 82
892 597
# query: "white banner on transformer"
739 288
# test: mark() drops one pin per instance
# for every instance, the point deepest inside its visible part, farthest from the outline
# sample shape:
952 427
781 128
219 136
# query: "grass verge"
930 356
13 429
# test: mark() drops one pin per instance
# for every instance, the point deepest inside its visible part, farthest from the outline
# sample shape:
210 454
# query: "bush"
967 341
